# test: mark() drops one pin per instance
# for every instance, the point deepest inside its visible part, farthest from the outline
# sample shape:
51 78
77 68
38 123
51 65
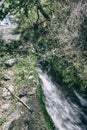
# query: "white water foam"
65 115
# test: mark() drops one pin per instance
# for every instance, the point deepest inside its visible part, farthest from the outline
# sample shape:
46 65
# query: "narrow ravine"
66 115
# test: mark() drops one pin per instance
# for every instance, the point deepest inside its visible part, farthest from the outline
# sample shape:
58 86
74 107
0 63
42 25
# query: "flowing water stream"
67 111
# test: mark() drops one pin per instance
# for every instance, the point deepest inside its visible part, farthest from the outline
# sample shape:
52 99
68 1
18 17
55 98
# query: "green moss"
43 109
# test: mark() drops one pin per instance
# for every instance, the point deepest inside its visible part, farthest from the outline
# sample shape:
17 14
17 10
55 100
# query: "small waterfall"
65 114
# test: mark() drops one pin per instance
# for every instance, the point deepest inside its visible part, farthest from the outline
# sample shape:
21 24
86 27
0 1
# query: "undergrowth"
43 109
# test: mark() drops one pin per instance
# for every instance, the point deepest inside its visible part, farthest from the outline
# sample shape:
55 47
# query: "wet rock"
6 94
10 62
6 77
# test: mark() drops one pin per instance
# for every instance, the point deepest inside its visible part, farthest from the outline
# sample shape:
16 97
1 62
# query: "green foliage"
66 40
25 72
71 74
61 41
16 7
42 105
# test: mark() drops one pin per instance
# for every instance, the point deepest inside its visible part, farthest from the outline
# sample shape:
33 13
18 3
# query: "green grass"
25 72
43 109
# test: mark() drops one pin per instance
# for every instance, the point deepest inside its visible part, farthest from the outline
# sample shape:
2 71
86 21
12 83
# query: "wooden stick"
18 99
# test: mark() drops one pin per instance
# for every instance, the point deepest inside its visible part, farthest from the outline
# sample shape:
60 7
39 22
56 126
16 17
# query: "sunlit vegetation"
57 30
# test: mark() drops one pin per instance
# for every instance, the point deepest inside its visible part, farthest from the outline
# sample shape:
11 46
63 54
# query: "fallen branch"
28 107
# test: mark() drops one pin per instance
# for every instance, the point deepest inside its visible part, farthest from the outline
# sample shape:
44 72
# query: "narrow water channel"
66 114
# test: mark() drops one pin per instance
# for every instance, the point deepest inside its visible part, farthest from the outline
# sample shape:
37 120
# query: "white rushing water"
65 114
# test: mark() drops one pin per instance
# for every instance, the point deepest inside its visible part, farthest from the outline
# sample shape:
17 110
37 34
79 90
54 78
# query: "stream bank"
13 115
18 73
